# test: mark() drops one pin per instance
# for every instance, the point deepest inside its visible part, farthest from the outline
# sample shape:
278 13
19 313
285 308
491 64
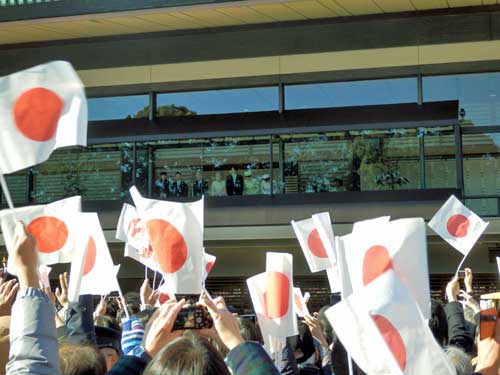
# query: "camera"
193 317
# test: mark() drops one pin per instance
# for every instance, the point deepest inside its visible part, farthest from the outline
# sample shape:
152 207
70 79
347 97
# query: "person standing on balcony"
234 183
218 186
163 185
178 188
251 184
200 186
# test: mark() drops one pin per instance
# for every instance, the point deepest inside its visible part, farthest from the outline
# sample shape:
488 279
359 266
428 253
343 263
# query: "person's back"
189 355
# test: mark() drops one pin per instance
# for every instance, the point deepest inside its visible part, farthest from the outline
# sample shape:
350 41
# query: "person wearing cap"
265 185
251 184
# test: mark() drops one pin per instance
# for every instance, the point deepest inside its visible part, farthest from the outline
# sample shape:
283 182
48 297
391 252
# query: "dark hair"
189 354
438 322
76 359
178 173
249 330
163 173
303 343
107 322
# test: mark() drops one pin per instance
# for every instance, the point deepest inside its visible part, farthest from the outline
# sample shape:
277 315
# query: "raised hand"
468 280
158 332
62 292
148 297
25 257
225 323
8 292
452 289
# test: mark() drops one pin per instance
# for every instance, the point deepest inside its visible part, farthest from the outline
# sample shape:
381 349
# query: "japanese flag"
209 261
41 109
299 303
399 246
370 224
384 331
458 225
51 225
272 297
323 225
132 230
313 248
92 268
175 232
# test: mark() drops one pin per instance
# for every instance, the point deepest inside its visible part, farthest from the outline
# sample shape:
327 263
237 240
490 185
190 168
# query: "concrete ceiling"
210 16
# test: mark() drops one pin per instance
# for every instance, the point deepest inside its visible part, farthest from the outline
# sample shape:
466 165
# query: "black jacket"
458 335
233 188
200 187
178 190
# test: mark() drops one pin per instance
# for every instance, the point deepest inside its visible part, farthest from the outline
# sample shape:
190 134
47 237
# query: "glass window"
440 161
94 172
349 161
205 166
218 101
478 96
118 107
482 171
17 184
346 94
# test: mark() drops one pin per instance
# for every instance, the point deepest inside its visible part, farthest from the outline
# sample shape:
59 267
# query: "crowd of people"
137 335
233 184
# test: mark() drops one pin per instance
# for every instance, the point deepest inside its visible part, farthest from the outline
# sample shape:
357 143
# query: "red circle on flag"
136 228
376 262
37 112
168 245
458 225
90 257
163 297
315 244
277 296
298 301
49 232
209 266
393 339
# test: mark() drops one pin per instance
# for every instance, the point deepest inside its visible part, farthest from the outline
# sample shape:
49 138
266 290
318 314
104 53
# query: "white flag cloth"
458 225
333 279
370 224
51 225
323 225
132 230
209 262
272 297
384 331
175 232
300 303
44 272
41 109
399 245
92 268
310 242
498 264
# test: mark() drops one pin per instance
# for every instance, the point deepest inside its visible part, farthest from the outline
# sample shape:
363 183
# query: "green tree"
165 111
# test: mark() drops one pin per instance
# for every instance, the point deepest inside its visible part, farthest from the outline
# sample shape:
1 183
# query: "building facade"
362 108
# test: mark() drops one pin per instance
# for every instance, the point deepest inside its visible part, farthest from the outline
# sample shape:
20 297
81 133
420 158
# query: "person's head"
303 344
178 176
144 315
163 176
111 356
233 170
218 176
107 322
199 175
189 354
461 361
438 322
249 330
78 359
133 300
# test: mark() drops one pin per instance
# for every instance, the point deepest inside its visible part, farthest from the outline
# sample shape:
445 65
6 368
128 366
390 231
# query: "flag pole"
124 303
460 265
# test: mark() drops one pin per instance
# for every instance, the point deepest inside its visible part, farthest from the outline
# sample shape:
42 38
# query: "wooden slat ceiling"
225 14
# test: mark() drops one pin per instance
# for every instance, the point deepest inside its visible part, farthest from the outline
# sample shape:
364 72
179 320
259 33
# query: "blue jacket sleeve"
33 343
250 358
